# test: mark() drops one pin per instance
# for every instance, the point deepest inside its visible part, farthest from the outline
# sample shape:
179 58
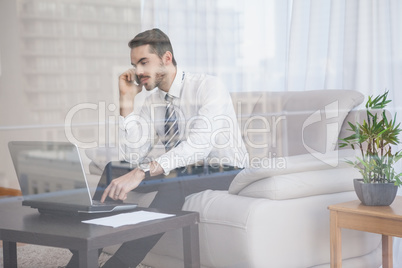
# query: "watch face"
144 167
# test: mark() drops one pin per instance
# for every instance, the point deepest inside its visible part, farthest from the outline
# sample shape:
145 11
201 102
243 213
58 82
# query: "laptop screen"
50 172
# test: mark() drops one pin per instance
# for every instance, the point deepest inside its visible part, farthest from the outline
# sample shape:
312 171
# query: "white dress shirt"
207 124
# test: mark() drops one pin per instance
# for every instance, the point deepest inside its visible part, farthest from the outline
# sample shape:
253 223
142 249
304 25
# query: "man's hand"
128 89
119 187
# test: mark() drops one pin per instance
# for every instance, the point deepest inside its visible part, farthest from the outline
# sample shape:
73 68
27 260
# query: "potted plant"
374 139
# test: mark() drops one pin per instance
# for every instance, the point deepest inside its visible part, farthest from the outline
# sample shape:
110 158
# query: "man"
202 100
193 117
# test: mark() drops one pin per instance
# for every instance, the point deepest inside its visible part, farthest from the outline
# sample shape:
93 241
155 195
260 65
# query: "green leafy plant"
375 138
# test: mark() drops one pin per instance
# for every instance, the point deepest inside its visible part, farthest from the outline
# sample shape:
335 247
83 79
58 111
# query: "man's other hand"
128 88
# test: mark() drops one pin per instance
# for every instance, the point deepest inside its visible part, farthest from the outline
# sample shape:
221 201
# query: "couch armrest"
303 184
306 166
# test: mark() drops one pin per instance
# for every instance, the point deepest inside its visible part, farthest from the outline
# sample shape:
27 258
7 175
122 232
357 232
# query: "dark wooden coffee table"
26 225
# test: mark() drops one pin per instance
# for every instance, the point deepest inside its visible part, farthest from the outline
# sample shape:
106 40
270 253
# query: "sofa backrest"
275 124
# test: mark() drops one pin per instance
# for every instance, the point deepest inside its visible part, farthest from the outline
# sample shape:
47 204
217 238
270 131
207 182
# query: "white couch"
275 213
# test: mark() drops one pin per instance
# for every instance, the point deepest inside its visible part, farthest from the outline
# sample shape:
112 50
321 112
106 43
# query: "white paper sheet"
128 218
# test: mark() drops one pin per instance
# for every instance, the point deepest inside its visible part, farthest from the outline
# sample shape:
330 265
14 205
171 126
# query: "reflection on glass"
50 172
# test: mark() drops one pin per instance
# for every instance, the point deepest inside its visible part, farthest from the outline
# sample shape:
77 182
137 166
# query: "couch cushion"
292 123
316 117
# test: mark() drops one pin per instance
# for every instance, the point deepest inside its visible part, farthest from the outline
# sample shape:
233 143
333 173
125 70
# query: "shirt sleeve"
136 137
210 129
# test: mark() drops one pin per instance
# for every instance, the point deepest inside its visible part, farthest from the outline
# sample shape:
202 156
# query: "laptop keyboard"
99 203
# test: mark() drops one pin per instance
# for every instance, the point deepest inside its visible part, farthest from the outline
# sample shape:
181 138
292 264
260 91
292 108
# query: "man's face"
149 68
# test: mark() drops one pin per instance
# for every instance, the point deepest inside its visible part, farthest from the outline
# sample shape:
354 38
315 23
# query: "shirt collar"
177 85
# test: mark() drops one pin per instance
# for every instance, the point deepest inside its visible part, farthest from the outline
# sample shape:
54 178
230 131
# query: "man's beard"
159 76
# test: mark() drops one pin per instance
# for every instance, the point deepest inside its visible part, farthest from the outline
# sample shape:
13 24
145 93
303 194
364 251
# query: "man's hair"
157 40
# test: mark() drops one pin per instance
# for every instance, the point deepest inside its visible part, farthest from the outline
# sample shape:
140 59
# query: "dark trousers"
171 193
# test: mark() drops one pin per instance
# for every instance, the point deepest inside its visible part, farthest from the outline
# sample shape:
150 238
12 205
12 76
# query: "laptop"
53 180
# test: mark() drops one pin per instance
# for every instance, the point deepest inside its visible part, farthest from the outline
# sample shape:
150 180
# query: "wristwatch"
147 174
145 168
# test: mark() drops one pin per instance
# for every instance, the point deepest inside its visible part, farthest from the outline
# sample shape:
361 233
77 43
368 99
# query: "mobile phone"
136 80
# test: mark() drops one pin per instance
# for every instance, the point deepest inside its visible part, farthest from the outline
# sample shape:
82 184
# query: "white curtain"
289 45
205 34
280 45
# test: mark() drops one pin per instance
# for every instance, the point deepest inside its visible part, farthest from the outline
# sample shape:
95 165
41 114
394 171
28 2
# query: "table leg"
335 241
191 246
387 261
88 258
10 254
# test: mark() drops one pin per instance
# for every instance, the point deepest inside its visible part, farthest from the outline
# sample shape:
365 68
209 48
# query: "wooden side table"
384 220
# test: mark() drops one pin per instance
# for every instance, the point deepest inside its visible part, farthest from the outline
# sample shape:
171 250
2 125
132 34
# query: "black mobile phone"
136 80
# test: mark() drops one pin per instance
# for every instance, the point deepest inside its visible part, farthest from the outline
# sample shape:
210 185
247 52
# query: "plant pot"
375 194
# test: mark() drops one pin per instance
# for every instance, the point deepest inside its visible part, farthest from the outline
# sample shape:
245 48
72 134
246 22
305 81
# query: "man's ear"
167 57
